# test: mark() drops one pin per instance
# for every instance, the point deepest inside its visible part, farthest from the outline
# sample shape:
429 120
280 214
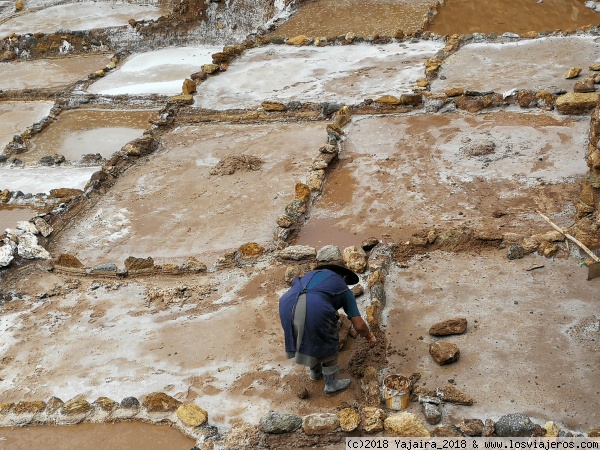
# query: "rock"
106 404
586 231
68 260
595 67
106 267
296 209
489 428
515 252
65 193
28 248
4 196
548 249
182 99
291 272
242 436
355 259
411 99
19 5
195 265
6 407
320 423
349 419
28 227
552 430
357 290
29 407
44 228
471 427
47 161
6 255
209 68
447 430
405 424
160 402
298 40
451 394
302 393
133 263
573 72
191 415
457 325
99 175
298 252
369 243
454 92
284 221
577 103
316 179
329 149
329 108
594 432
273 106
78 405
432 413
302 192
53 405
587 195
514 425
278 423
251 250
586 85
526 98
329 253
444 352
130 403
188 87
388 100
372 419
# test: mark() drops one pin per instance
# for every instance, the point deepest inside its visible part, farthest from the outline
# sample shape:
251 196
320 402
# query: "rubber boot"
332 384
316 372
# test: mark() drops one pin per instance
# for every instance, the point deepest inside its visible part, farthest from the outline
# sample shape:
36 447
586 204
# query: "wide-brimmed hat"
348 275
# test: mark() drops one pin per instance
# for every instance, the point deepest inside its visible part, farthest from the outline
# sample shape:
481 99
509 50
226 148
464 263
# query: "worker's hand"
371 338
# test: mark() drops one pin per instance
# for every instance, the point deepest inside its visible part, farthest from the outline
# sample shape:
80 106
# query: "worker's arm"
363 329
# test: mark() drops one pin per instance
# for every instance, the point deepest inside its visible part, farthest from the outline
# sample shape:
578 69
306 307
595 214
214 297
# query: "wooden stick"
568 236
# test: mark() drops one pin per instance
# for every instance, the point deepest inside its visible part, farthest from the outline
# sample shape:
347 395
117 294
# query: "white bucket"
396 392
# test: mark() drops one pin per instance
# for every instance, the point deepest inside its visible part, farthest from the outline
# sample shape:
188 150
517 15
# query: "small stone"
372 419
64 193
278 423
369 243
291 272
54 404
457 325
586 85
6 407
106 404
188 87
357 290
432 413
320 423
160 402
195 265
515 252
67 260
447 430
284 221
451 394
192 415
130 403
594 432
301 192
577 103
183 99
29 407
298 252
251 250
573 72
316 179
595 67
471 427
454 92
273 106
329 253
298 40
78 405
44 228
514 425
355 259
209 68
133 263
405 424
388 100
489 428
444 352
349 419
302 393
552 430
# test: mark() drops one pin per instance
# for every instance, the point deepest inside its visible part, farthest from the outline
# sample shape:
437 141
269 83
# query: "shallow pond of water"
97 436
35 180
330 18
11 214
15 117
516 16
82 132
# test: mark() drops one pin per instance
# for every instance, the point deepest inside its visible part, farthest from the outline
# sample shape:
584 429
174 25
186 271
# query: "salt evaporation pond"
78 17
16 116
36 180
96 436
347 74
49 73
11 214
92 131
156 72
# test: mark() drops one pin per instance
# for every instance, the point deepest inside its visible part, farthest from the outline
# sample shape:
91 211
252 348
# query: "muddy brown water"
330 18
114 436
82 132
516 16
10 215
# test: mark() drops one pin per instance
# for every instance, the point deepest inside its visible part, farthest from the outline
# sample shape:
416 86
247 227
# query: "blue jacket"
323 299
